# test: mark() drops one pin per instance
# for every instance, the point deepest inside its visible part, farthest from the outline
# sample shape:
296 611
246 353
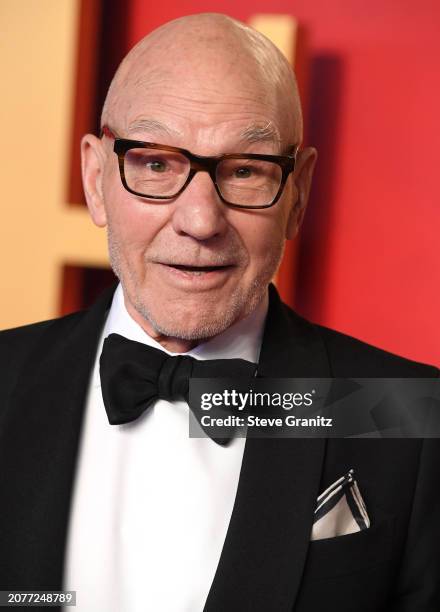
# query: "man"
136 515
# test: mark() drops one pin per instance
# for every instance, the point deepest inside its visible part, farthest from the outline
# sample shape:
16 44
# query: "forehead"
200 106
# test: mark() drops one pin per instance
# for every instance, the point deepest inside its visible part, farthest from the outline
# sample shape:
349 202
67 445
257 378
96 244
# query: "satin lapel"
266 545
38 450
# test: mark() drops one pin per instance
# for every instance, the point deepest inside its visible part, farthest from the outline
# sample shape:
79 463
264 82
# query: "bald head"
211 50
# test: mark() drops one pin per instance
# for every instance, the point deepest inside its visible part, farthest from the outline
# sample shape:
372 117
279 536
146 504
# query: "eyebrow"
151 125
261 133
253 133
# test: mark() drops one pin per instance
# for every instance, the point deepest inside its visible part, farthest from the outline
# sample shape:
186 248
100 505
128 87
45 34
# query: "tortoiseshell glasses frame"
199 163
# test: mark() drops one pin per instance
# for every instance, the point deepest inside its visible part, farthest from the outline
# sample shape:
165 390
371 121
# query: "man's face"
192 266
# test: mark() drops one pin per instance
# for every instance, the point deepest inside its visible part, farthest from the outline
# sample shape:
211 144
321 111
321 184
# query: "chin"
200 319
189 324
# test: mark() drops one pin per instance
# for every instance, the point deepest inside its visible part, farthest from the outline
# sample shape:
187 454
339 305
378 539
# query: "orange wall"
369 256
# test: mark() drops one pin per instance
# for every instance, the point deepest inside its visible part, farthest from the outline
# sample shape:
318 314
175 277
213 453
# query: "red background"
368 258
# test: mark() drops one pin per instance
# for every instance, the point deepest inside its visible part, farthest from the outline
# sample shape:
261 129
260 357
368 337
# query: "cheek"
263 236
132 223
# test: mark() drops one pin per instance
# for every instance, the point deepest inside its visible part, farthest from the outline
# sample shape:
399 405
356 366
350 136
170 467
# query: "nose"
199 212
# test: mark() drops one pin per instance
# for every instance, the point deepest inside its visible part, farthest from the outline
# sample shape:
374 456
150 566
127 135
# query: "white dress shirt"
151 506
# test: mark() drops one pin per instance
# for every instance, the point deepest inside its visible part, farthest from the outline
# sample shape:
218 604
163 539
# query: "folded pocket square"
340 510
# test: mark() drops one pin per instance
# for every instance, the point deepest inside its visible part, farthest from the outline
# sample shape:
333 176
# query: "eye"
156 166
243 172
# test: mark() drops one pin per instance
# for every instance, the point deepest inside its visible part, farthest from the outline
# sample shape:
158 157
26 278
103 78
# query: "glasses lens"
155 172
248 182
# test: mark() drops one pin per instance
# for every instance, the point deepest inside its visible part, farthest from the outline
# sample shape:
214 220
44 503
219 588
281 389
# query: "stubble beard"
241 303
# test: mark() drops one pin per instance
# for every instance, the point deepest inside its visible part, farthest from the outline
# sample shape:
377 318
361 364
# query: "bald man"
199 177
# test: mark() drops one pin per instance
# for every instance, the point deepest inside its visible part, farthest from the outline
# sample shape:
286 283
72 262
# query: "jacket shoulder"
21 337
349 357
345 352
23 350
16 344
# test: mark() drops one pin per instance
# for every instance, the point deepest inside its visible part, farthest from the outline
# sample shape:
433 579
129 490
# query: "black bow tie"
134 375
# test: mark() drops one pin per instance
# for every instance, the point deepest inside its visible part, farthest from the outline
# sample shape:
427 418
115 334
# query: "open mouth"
198 269
196 277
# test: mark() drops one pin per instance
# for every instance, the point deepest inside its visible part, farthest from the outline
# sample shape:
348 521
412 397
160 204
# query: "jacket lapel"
266 544
38 450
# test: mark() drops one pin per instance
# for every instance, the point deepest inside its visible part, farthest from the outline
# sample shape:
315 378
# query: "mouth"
198 270
191 277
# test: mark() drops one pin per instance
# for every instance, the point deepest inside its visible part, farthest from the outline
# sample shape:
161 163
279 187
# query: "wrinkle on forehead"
202 52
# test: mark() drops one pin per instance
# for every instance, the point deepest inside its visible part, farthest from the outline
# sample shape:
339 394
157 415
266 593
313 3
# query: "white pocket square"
340 510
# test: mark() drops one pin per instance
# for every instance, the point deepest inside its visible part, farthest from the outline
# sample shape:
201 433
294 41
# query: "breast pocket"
347 554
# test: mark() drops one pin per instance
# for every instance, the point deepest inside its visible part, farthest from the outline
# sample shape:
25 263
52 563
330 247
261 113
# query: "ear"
302 178
92 164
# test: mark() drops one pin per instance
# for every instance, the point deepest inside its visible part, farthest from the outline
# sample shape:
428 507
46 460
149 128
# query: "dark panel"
101 44
81 285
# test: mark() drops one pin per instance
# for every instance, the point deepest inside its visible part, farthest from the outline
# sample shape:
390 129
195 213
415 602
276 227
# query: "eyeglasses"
161 172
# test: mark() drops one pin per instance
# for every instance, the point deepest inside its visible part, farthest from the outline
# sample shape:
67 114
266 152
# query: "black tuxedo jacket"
268 563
